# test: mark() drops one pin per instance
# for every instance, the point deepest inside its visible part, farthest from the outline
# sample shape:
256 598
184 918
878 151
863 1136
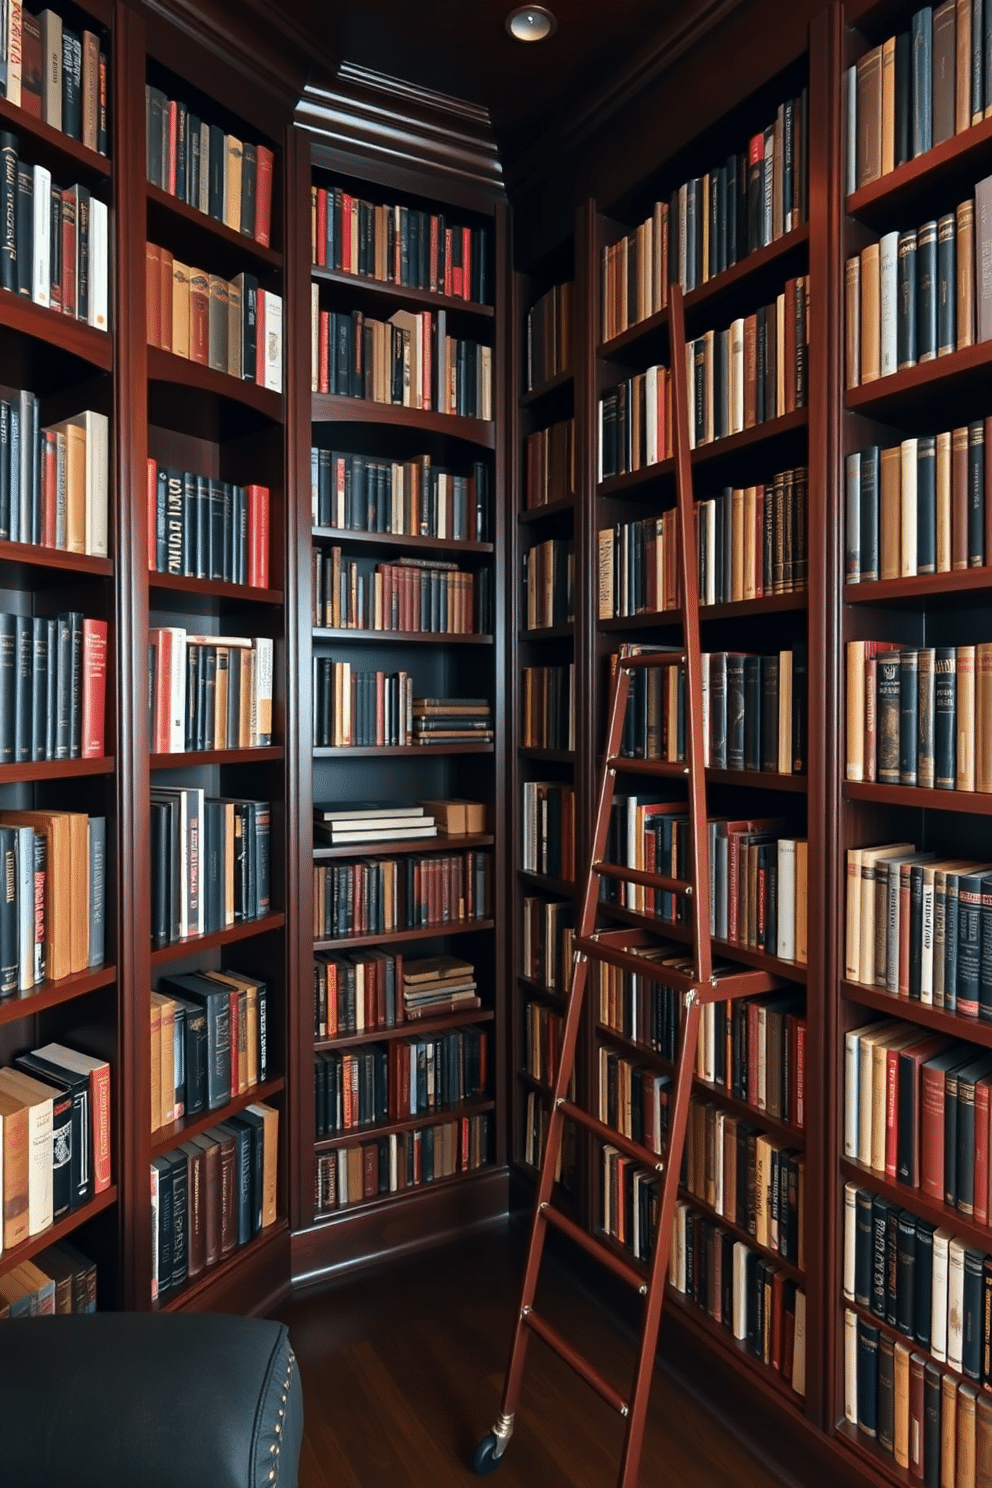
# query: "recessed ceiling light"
530 23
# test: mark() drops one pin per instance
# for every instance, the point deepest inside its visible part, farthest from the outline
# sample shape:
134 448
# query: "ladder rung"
575 1360
740 984
681 981
595 1248
650 659
639 876
605 1133
672 769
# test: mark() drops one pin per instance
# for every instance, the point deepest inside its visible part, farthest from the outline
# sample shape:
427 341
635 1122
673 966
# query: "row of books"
919 1279
919 507
408 498
413 594
543 1033
345 822
751 1297
547 709
403 1160
201 528
754 710
536 1119
549 464
227 178
752 541
53 909
638 568
753 1048
711 222
54 481
748 1178
920 717
356 993
635 423
54 73
916 925
548 820
53 240
549 335
208 692
915 90
408 360
755 371
210 862
53 686
358 709
233 326
386 895
916 1111
211 1195
58 1280
549 584
918 295
547 942
208 1042
654 725
56 1140
931 1423
406 1078
634 1099
398 245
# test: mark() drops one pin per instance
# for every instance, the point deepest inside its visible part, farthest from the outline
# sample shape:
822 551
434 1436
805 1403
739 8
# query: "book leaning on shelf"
54 481
410 498
59 1280
54 73
53 241
211 1195
406 1078
400 1161
208 1042
201 528
232 326
208 692
210 863
227 178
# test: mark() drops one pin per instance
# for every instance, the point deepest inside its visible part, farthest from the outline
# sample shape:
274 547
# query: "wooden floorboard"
402 1370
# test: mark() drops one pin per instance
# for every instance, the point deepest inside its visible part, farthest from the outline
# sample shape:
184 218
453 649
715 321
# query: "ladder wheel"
484 1460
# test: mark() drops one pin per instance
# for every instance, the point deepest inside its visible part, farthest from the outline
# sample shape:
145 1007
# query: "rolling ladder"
696 989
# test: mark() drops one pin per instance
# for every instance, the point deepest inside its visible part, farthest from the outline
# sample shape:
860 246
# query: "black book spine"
879 1254
926 294
868 1337
863 1248
931 1425
973 1328
752 713
735 712
925 744
8 211
869 514
905 1299
924 1281
908 716
887 718
926 504
769 713
25 230
947 278
23 664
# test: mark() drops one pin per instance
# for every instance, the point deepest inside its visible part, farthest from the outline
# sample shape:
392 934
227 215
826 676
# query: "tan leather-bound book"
14 1137
180 308
945 65
233 159
962 85
217 324
965 719
948 1431
211 1196
869 101
889 105
983 718
90 89
235 335
61 890
983 1442
944 502
959 498
889 512
983 260
153 294
871 315
967 1425
965 316
165 300
270 1159
199 307
901 1412
852 322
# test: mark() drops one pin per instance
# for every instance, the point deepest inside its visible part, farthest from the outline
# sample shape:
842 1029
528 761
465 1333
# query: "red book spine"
435 277
448 265
324 349
891 1112
799 1114
94 688
263 194
50 493
466 263
69 253
427 367
320 242
346 234
260 339
100 1097
932 1133
235 1040
152 491
258 537
170 184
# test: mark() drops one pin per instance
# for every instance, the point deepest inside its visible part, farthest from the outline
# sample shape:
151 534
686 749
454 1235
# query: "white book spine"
736 376
98 307
262 679
851 1366
273 342
852 1107
651 415
926 952
740 1290
955 1303
177 694
41 266
690 388
938 1304
40 1129
850 1238
851 133
866 1072
780 355
720 1122
787 899
888 255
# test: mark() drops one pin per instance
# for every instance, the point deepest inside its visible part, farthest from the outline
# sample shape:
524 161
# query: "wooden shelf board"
538 989
867 1448
924 587
543 389
975 1030
60 1231
56 769
213 589
398 637
740 609
396 751
412 1123
415 1028
758 780
546 510
437 844
248 247
355 535
547 756
776 428
55 144
883 396
194 1293
54 994
187 1127
891 191
331 408
196 943
186 759
163 366
400 294
58 330
398 937
547 633
973 803
31 555
918 1203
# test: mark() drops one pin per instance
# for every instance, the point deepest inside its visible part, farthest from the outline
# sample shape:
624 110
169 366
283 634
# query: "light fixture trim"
531 23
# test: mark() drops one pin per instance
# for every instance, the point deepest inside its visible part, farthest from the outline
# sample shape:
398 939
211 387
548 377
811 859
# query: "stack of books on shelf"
340 822
55 1104
58 1280
233 326
915 90
53 685
919 507
416 595
711 222
360 709
754 710
409 498
408 360
208 1042
399 1081
54 481
53 913
53 242
548 934
452 721
211 1195
55 73
401 1161
201 528
216 173
208 692
356 992
549 336
398 245
438 984
385 895
752 540
549 463
548 843
549 584
210 863
548 708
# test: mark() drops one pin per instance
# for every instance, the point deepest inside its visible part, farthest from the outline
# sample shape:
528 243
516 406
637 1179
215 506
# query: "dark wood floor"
402 1371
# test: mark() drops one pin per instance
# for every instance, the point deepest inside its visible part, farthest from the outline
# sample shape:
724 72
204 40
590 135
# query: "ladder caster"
484 1459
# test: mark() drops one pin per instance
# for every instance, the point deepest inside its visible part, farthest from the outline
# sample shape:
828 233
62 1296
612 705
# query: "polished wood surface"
401 1372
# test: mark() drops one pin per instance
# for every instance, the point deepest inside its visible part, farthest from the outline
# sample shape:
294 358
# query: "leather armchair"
129 1400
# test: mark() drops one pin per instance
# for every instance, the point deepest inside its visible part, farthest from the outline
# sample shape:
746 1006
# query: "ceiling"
462 47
